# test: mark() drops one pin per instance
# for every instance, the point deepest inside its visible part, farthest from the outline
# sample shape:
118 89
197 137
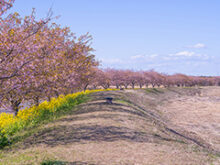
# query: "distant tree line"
128 78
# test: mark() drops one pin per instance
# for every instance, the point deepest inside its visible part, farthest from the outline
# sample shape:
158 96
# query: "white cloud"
187 55
183 54
144 56
137 57
198 46
153 55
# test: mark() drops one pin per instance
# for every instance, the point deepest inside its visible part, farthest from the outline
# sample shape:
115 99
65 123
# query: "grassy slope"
132 130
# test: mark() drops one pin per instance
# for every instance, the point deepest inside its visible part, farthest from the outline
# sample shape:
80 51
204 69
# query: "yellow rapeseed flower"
9 123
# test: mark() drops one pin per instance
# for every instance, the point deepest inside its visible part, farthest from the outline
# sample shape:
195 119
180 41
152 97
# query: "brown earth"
176 126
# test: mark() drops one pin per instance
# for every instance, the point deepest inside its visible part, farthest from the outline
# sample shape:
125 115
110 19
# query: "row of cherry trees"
131 79
40 59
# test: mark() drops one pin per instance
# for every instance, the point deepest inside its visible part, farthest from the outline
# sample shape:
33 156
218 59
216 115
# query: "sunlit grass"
154 90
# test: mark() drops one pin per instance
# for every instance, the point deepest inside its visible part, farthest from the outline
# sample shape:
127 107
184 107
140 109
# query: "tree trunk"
85 87
104 86
15 106
133 85
36 100
146 85
56 93
108 85
49 98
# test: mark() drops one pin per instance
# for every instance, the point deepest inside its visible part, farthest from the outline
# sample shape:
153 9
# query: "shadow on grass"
103 106
79 133
82 133
52 162
64 135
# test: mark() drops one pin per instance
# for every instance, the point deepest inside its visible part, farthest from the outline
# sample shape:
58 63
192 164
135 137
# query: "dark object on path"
109 100
121 88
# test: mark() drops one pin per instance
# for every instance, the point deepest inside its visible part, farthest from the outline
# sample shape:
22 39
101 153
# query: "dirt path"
135 130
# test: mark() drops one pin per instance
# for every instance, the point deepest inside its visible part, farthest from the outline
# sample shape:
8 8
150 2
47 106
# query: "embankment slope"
153 126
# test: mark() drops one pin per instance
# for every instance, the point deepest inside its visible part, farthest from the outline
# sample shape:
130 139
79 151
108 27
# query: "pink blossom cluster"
40 59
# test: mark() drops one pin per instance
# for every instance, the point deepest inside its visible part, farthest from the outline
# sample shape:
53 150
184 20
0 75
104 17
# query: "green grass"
154 90
52 162
123 102
31 156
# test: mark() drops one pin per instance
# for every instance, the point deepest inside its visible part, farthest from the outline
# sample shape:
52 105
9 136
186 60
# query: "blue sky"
170 36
